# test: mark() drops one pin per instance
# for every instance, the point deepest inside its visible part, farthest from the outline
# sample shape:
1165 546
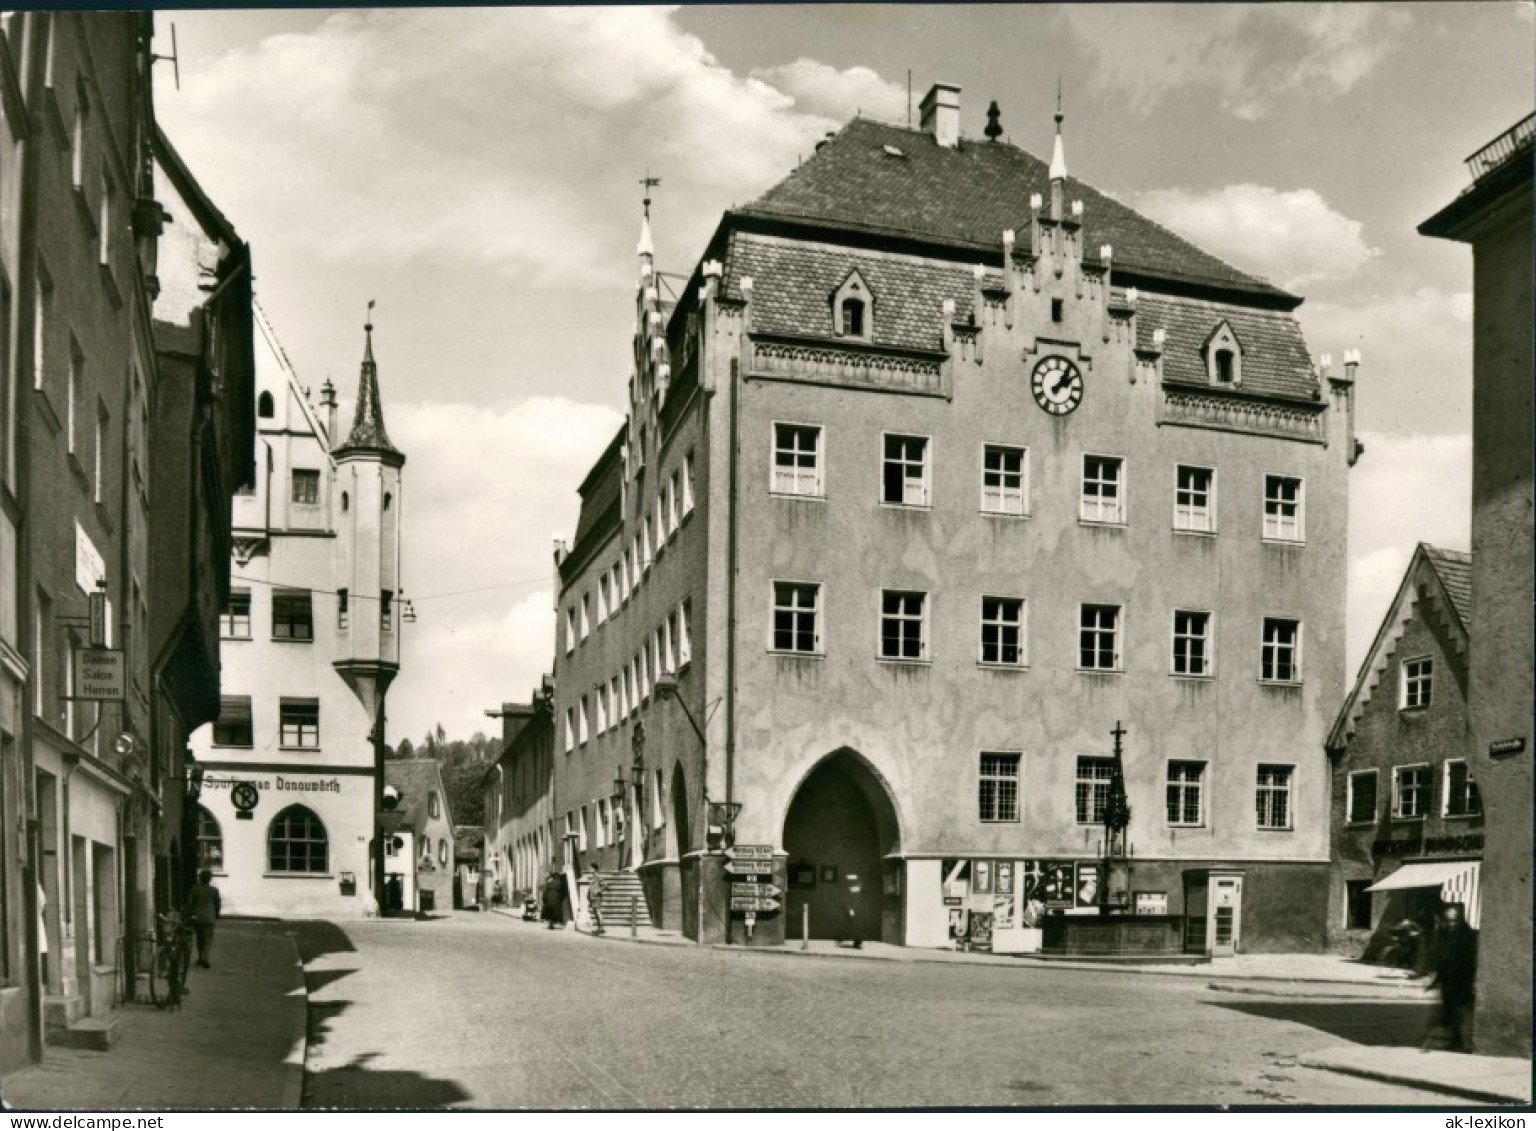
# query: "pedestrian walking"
1453 967
595 887
550 899
203 906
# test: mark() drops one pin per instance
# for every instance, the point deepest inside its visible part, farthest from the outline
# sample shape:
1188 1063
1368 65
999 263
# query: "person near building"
551 897
595 886
1453 967
203 906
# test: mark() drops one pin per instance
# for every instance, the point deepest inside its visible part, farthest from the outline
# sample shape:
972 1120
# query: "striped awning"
1456 879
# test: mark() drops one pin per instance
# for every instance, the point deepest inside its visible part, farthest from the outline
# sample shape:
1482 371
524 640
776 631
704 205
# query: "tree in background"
463 763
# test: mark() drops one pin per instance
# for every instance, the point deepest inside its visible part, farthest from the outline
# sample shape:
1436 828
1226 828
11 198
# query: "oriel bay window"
292 615
796 617
998 798
797 460
906 478
299 724
903 624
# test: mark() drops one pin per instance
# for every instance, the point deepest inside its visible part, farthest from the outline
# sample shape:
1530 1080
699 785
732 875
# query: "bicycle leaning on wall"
173 955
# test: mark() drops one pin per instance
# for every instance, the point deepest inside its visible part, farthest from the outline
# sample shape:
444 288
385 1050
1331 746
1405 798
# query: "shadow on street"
1399 1024
355 1085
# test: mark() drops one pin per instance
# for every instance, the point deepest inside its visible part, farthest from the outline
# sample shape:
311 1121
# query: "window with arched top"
853 309
210 842
264 406
442 853
297 842
1224 357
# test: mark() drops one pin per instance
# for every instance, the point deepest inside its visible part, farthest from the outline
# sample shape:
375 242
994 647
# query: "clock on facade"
1058 386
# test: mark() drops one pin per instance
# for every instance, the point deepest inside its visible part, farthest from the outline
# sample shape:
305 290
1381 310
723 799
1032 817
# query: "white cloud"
1405 490
1416 371
1250 57
821 89
483 489
367 138
1291 237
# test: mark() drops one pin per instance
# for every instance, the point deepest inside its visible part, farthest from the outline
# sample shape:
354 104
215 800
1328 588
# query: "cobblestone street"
486 1012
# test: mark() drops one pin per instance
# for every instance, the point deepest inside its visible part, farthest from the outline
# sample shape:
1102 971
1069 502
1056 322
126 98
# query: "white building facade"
309 643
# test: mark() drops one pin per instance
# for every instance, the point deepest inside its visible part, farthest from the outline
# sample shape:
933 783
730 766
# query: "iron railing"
1509 144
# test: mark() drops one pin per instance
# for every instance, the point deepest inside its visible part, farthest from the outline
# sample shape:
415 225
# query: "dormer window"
1224 357
853 309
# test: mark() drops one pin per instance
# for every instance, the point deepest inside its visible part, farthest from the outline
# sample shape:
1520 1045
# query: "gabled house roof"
415 778
1437 584
889 180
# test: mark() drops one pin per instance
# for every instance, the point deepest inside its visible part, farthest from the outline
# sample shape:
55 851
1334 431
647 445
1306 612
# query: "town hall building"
942 474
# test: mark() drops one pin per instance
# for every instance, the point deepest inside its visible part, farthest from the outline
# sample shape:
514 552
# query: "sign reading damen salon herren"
99 673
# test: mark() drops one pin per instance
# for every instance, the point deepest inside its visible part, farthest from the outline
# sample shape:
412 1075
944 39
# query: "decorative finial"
647 183
368 320
994 128
1059 114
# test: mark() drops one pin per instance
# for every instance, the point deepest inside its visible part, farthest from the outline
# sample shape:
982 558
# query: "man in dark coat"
1453 966
551 896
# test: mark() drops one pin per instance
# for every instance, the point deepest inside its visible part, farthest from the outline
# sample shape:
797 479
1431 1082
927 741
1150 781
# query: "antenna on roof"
175 62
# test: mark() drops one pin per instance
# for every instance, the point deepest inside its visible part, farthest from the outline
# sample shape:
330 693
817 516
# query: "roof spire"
368 434
994 128
1059 153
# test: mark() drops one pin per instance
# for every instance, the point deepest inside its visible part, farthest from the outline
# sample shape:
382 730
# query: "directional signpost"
750 867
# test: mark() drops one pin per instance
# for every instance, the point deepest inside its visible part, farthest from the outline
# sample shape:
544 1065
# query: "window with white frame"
1098 638
797 467
42 324
1194 499
659 535
653 642
1283 508
600 831
669 642
581 831
1090 793
796 617
570 729
581 721
1410 792
570 630
586 615
299 723
235 620
623 569
643 674
616 698
1002 631
906 475
1417 683
1462 798
1186 793
601 723
1004 480
602 597
1360 798
1280 653
645 541
684 640
637 562
903 625
1191 642
998 788
1272 796
1103 489
672 519
628 676
688 483
658 805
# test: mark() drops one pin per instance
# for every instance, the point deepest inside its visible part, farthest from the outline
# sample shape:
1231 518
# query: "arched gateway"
840 826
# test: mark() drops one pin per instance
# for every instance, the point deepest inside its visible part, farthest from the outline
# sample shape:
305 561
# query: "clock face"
1058 386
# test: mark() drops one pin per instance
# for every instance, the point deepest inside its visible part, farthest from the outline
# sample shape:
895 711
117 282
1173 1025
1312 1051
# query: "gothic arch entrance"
679 836
840 826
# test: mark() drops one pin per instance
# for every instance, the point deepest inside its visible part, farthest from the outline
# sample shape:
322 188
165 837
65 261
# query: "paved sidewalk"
237 1042
1491 1079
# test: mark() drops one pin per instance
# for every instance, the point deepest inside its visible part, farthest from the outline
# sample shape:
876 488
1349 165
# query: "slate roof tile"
1275 360
1454 569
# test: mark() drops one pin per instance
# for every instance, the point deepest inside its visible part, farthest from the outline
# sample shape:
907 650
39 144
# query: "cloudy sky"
475 171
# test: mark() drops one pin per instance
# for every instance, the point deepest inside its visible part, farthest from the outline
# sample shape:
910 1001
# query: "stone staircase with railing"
622 902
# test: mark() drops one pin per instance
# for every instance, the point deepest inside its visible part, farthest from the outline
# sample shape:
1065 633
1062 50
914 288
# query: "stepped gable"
793 284
1275 359
968 196
1454 569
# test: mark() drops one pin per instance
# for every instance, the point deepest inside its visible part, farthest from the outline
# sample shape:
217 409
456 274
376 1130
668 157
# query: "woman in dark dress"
550 899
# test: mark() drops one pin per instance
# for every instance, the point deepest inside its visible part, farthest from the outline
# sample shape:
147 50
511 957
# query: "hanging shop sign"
100 674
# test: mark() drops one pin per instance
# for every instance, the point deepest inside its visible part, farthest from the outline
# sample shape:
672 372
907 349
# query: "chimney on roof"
940 110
